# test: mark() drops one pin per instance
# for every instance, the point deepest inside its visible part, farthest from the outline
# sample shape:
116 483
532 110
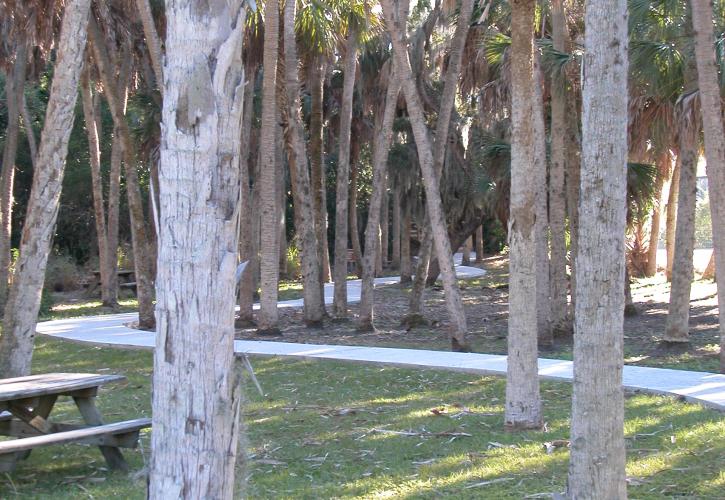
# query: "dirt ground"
486 302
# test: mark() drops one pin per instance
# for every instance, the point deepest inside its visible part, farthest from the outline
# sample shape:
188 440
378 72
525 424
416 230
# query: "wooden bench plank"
85 435
52 383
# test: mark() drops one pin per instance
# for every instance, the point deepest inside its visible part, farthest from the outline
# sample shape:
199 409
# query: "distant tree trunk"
14 87
317 166
466 256
197 385
677 328
395 258
144 268
314 309
153 42
354 227
385 228
560 319
21 310
597 461
709 273
269 240
381 148
663 167
114 202
711 109
523 403
343 178
281 186
673 204
29 132
479 244
406 265
93 124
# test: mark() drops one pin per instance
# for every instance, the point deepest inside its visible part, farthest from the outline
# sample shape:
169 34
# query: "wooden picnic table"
27 402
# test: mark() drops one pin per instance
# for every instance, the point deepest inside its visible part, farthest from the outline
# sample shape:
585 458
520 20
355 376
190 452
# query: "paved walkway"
707 389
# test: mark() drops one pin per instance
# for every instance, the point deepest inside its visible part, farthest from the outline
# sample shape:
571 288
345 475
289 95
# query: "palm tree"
197 386
711 110
21 310
523 403
269 268
597 462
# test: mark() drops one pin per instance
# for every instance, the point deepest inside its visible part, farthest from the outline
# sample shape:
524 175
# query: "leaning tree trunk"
431 178
663 167
14 87
678 316
153 42
343 177
143 265
381 148
712 122
597 462
91 115
560 320
314 308
673 203
317 165
523 403
21 310
197 385
269 239
29 132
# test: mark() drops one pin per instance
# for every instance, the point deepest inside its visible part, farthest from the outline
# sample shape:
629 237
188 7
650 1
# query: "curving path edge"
704 388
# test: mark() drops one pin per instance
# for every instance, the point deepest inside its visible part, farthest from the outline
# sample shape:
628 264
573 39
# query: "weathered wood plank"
52 383
91 415
19 429
78 435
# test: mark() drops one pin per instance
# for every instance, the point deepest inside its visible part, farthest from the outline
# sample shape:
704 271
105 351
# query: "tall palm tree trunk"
560 319
14 87
91 109
343 177
663 167
431 179
385 228
479 244
269 240
597 461
354 225
395 257
197 385
712 122
523 403
314 308
673 204
21 310
143 264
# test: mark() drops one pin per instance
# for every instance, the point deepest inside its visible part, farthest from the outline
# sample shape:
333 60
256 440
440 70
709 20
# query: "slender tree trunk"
354 227
153 42
673 204
709 273
21 310
281 209
91 116
479 244
406 265
343 177
269 240
246 225
597 462
663 166
711 109
466 255
381 148
523 403
431 178
143 264
677 327
317 166
114 202
385 228
560 320
314 309
197 384
29 132
395 259
14 86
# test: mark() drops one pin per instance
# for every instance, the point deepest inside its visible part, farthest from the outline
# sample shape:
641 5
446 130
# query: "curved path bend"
705 388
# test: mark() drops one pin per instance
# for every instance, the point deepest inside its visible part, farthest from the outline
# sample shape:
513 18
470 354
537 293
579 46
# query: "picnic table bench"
25 407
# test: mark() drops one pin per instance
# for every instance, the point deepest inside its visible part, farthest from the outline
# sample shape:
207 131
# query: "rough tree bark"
21 309
354 226
431 179
343 178
523 403
673 203
197 385
712 123
597 462
269 239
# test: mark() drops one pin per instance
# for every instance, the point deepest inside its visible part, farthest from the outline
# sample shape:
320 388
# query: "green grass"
323 431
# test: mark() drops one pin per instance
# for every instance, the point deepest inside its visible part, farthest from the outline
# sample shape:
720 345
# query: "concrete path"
707 389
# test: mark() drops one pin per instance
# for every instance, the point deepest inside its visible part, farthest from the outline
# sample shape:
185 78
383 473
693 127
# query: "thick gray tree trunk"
523 402
712 122
197 387
597 461
21 310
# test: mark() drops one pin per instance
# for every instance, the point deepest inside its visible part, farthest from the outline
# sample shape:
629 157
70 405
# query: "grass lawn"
353 431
